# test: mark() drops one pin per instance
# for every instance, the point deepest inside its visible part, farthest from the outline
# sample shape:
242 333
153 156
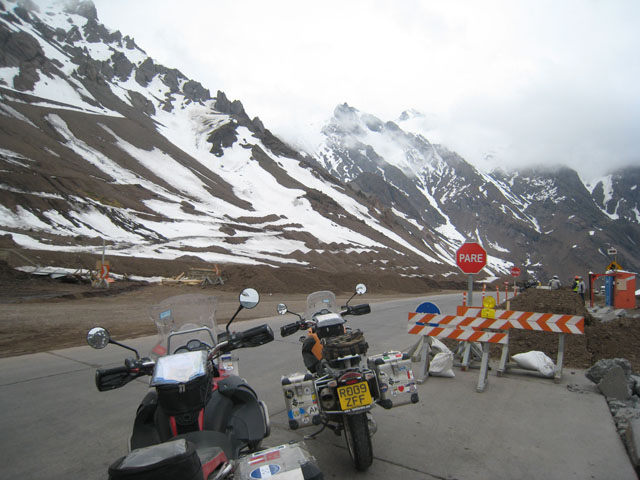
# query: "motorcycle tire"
356 434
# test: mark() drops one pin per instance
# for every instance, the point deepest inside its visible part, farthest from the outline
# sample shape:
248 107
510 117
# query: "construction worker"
554 283
580 288
574 286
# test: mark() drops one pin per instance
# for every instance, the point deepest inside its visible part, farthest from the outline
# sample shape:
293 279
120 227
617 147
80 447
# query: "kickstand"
313 435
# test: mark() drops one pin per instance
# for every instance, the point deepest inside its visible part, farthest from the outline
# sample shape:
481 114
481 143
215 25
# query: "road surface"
56 425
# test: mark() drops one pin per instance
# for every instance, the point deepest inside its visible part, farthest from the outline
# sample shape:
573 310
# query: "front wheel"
356 433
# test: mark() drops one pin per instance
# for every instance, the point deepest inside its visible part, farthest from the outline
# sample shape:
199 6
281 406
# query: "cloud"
527 82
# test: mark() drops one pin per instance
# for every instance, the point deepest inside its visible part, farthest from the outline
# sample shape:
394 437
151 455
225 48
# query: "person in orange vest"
580 288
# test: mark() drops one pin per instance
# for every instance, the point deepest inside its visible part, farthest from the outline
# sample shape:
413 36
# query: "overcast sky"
523 82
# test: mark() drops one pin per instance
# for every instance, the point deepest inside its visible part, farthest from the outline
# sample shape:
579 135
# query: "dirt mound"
17 286
618 338
10 274
562 301
615 339
267 279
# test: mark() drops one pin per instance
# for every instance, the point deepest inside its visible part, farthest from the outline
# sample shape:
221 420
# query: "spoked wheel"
356 433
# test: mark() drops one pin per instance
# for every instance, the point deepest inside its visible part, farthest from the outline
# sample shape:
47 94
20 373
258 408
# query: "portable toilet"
624 294
609 283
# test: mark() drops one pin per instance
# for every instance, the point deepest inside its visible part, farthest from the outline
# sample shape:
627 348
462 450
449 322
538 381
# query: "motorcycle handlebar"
291 328
112 378
253 337
361 309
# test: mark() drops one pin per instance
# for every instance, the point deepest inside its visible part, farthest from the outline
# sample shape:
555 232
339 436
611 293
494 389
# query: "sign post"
471 258
515 272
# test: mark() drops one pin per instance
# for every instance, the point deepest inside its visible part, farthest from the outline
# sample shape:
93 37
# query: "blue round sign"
428 307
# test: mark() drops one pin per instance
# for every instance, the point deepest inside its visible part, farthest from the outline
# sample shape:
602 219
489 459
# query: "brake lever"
140 366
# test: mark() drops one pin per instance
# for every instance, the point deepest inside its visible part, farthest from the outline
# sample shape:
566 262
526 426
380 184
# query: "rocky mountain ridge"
100 143
534 217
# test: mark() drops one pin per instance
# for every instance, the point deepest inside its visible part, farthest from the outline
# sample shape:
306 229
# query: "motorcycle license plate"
354 396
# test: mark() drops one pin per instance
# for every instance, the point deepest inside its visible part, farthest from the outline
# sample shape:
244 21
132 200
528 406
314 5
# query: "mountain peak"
102 143
84 8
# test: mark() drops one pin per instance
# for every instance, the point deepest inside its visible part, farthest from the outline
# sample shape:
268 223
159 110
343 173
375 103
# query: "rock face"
84 8
533 214
621 388
614 384
101 142
601 368
632 439
92 131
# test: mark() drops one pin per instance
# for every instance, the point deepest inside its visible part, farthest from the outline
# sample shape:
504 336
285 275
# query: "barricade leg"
484 368
420 354
503 359
466 353
558 372
475 351
465 357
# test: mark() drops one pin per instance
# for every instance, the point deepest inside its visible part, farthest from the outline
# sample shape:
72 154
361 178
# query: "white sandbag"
441 365
438 346
535 360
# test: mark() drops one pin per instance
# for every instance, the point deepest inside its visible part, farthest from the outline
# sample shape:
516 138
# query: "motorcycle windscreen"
321 302
192 313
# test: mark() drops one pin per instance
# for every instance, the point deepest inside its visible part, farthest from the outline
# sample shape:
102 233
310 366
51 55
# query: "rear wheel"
356 433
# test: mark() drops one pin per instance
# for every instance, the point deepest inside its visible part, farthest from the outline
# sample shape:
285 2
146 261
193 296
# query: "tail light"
350 378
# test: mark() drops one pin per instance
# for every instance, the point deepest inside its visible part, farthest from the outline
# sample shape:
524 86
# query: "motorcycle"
342 384
201 420
523 286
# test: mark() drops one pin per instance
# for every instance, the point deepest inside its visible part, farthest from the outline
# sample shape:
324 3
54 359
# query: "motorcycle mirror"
249 298
282 308
361 289
98 337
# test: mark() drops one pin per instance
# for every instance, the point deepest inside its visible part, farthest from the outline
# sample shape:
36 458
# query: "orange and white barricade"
489 326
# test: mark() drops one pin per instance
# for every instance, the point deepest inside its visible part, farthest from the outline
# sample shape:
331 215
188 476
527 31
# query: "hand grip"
289 329
254 337
361 309
112 378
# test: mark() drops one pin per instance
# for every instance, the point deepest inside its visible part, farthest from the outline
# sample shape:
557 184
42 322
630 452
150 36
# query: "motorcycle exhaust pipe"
224 471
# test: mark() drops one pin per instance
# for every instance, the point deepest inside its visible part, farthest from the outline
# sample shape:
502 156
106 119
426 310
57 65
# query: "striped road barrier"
488 326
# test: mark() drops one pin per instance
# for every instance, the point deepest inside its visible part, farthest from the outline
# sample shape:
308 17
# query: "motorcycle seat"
207 440
191 455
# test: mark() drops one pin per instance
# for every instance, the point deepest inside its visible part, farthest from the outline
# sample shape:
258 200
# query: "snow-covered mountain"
99 142
544 220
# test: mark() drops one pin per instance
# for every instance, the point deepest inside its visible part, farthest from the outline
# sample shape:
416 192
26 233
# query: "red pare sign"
471 258
515 272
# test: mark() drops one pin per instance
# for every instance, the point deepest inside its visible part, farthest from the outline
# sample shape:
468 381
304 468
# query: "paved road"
56 425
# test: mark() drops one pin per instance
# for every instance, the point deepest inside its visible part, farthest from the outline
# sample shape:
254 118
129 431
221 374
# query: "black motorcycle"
201 420
340 389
